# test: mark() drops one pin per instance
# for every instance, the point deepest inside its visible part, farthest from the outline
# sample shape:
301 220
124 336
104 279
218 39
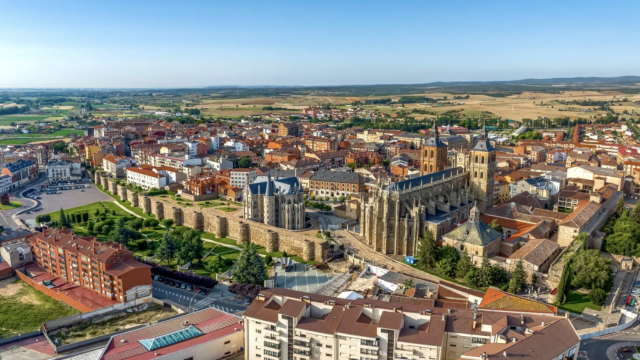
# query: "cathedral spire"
474 215
269 190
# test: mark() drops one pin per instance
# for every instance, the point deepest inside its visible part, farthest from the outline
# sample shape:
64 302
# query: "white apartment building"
115 165
243 177
237 145
215 142
288 324
192 149
146 179
217 162
5 184
59 171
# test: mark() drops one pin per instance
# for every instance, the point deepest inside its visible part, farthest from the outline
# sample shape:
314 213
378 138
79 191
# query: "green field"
6 120
577 302
15 141
104 106
12 205
19 139
27 309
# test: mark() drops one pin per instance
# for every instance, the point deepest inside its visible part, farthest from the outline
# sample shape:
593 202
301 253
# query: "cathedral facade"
278 203
395 215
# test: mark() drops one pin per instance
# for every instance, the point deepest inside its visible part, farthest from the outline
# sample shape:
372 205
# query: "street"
185 298
597 348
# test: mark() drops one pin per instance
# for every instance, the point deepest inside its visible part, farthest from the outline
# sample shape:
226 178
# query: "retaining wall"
272 238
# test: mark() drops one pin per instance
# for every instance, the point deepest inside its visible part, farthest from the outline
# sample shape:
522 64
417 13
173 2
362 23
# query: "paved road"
597 348
197 302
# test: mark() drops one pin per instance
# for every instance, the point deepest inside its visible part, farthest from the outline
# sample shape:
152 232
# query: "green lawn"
28 309
577 302
12 205
91 208
19 139
15 141
126 204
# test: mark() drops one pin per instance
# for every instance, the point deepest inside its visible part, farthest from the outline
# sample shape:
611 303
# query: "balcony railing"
272 345
369 343
301 343
302 352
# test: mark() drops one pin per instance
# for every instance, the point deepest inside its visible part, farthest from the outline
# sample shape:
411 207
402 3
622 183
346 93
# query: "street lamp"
189 307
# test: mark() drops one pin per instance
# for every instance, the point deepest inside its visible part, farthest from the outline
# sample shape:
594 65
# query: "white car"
635 291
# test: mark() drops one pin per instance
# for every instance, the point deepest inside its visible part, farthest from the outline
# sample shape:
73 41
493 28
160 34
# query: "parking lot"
68 199
299 279
219 298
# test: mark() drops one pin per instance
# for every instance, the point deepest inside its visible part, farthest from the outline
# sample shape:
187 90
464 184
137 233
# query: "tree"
167 223
120 233
519 279
167 248
106 229
216 264
590 270
244 162
427 251
620 206
190 244
64 222
485 274
472 277
582 238
494 225
635 214
447 266
463 265
268 260
534 279
448 252
408 284
351 166
250 268
597 296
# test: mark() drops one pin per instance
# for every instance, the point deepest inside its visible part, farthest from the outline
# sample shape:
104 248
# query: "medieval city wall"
233 226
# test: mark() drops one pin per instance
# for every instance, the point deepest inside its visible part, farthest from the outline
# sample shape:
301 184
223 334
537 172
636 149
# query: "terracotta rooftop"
500 300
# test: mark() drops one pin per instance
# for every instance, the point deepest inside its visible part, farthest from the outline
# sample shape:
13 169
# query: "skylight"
171 338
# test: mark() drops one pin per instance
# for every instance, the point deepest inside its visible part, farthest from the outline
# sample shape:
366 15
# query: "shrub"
85 216
43 218
327 233
284 254
167 222
103 217
143 245
268 260
246 290
106 229
109 222
597 296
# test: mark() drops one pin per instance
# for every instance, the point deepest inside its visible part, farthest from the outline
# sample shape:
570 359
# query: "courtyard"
301 278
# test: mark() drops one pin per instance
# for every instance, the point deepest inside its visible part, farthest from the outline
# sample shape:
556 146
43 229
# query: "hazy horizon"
147 45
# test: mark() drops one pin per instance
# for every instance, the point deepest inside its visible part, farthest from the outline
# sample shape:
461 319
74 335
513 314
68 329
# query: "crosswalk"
210 303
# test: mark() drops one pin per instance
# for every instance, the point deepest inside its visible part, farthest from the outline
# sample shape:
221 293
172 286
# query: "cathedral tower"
433 155
482 163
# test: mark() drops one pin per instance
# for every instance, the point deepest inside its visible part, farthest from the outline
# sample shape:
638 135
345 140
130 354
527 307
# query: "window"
227 342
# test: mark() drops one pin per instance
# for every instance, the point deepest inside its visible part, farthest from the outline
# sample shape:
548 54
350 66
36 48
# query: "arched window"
430 168
431 153
476 159
482 159
481 175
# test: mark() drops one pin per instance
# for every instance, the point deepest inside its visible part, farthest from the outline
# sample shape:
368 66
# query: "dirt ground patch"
8 288
27 299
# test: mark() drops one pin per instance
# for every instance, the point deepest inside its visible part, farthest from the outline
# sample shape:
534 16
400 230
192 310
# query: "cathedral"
395 215
276 202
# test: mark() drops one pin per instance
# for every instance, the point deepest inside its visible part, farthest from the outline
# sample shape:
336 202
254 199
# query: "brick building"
336 183
319 144
289 129
105 268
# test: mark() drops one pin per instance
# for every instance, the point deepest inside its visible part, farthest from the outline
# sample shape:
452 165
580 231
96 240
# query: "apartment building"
105 268
289 129
115 165
288 324
336 183
320 144
242 177
21 172
60 170
146 178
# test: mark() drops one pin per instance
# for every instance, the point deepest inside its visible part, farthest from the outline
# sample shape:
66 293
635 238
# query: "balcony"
368 352
372 343
271 330
302 344
272 345
301 352
399 353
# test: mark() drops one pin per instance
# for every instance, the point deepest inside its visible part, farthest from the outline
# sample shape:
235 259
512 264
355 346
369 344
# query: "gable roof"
500 300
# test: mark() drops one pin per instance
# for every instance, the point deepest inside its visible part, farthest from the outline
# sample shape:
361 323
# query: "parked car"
203 292
171 283
183 286
156 278
177 284
247 301
190 287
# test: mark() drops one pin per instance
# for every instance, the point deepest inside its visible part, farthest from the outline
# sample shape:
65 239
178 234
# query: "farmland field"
18 139
8 119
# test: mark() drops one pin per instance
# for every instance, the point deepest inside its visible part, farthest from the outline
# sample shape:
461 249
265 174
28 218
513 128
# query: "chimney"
444 317
504 353
93 250
521 320
75 246
122 247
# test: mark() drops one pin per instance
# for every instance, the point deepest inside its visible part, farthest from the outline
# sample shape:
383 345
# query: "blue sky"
139 43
